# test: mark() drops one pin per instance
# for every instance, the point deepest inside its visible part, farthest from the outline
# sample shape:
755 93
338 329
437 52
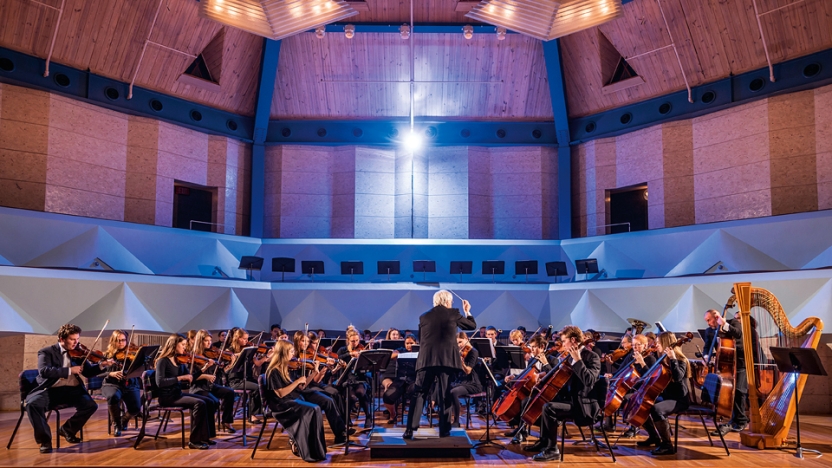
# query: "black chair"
149 393
27 381
598 396
701 411
468 402
261 385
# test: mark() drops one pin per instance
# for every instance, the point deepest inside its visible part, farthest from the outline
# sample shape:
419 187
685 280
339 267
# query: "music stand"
462 268
344 383
496 267
586 266
800 361
525 267
388 268
425 266
241 365
392 344
310 267
556 269
511 357
373 361
415 348
485 347
144 356
283 264
250 264
352 268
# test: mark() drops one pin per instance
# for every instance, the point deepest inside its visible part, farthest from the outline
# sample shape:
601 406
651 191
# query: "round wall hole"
393 133
430 132
321 132
156 105
808 71
6 65
465 133
590 127
756 84
536 134
626 118
665 108
708 97
62 80
196 115
501 133
232 125
357 132
286 132
111 93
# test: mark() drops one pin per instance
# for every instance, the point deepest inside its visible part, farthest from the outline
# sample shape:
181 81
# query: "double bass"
718 383
655 380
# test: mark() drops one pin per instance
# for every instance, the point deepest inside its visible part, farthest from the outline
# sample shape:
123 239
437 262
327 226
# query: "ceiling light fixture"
404 30
349 31
468 31
501 33
320 32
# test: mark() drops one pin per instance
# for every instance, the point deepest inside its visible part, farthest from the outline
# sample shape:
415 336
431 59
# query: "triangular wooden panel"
206 69
616 73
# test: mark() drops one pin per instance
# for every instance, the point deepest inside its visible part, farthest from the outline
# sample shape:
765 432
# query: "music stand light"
424 266
352 268
525 267
390 267
310 267
251 263
464 267
495 267
586 266
283 265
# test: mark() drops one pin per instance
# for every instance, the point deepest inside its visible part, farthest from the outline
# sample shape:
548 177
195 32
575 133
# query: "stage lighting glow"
413 141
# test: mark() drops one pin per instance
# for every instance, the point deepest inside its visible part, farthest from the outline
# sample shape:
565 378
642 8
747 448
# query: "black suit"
438 361
43 397
574 398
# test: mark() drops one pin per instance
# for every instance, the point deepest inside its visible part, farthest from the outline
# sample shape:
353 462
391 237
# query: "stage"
100 449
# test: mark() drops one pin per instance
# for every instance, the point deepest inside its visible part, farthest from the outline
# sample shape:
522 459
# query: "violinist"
115 388
673 399
169 376
467 381
220 339
590 334
392 386
246 379
207 385
537 351
409 342
615 359
316 367
573 399
358 382
58 383
275 331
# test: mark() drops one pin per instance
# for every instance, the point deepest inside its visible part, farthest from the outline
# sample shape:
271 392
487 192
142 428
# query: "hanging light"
546 19
349 31
467 31
501 33
320 32
404 30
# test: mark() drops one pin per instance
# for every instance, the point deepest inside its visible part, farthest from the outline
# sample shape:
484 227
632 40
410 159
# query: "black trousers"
553 413
255 406
75 396
459 391
222 399
738 415
425 379
396 390
115 394
201 414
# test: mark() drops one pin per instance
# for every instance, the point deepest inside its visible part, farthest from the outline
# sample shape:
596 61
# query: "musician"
220 338
409 342
627 345
58 383
315 376
393 334
573 399
357 382
206 384
516 338
169 375
541 363
116 389
718 327
246 379
321 334
641 363
674 398
481 333
438 359
395 386
590 334
275 331
467 381
491 333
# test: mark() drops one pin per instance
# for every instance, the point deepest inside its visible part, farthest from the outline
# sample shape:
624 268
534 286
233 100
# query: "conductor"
438 359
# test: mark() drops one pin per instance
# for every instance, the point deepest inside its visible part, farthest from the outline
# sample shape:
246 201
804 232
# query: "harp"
771 397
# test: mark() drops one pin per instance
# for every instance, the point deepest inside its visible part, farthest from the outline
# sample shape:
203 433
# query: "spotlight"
404 30
320 32
349 31
501 33
468 31
413 141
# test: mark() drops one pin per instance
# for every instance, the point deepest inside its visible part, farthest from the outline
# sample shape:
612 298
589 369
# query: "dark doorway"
627 205
193 207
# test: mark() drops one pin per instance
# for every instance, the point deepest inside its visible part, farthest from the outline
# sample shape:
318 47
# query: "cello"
510 404
718 384
655 380
622 382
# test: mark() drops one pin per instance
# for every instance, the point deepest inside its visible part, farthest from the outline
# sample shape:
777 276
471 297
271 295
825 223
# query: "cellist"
718 327
573 399
642 362
674 398
538 359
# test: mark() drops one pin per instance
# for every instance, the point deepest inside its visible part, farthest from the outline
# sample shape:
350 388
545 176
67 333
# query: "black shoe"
630 432
519 438
209 442
547 455
340 440
649 442
445 434
351 431
408 434
229 428
116 431
199 446
723 429
45 449
512 432
368 424
737 428
294 448
539 446
664 449
69 437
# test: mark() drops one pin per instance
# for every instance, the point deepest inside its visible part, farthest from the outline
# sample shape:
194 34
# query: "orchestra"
648 379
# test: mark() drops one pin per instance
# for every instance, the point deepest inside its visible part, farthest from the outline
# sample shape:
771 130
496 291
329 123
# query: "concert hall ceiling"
366 77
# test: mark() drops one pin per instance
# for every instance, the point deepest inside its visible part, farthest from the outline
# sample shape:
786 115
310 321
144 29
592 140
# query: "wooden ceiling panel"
367 77
398 11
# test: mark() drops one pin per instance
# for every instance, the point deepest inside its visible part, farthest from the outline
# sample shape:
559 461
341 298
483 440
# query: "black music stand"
310 267
485 347
586 266
352 268
511 357
344 383
240 365
250 264
495 267
424 266
392 344
415 348
525 267
373 361
142 361
388 268
283 265
462 268
799 361
556 269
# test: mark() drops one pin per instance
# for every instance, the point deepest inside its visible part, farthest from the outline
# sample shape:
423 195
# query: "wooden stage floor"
102 450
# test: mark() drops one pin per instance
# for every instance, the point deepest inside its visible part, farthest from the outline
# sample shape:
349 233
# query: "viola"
213 353
198 359
655 380
81 351
615 355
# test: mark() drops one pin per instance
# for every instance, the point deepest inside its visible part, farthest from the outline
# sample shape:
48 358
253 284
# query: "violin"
213 353
198 360
465 350
81 351
615 355
262 348
295 364
127 353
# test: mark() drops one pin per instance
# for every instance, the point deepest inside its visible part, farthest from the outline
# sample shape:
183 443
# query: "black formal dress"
326 400
300 418
359 386
438 361
221 397
170 394
56 386
117 391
